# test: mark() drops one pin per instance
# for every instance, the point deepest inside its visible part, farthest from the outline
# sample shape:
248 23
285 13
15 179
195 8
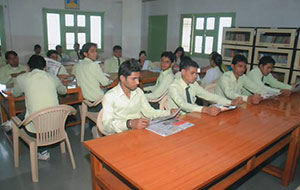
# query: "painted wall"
256 13
24 23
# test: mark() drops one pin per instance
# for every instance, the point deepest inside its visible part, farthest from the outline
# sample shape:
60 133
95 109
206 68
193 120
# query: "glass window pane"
209 41
210 24
69 20
200 23
186 34
198 44
81 38
53 30
70 40
96 30
81 20
224 22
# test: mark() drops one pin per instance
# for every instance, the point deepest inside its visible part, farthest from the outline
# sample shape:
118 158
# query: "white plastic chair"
100 124
163 101
50 129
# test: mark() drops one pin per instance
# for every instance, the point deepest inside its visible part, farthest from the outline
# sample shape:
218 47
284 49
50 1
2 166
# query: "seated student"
61 56
37 50
165 77
40 89
125 106
12 69
215 72
75 54
62 72
112 64
179 54
212 54
90 75
230 85
2 58
183 91
262 77
145 64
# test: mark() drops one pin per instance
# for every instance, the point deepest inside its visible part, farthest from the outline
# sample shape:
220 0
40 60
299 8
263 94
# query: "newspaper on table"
224 107
168 125
296 88
270 95
52 66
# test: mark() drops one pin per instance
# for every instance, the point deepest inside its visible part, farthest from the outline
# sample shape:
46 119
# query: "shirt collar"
259 71
120 91
166 71
88 59
182 83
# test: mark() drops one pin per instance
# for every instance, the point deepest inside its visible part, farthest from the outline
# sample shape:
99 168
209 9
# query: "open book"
52 66
224 107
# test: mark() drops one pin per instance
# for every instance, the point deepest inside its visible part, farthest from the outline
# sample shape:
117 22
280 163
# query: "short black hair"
117 47
127 67
36 46
86 47
58 46
50 52
169 55
76 44
188 62
217 59
142 52
239 58
182 60
265 60
36 62
8 53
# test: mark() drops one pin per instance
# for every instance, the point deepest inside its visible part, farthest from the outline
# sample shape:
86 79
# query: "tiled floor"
57 173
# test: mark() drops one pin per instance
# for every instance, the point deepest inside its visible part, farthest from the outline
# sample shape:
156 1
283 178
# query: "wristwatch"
128 124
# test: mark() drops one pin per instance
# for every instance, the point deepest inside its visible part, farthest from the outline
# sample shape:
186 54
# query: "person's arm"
110 124
202 93
252 87
256 78
182 103
277 84
4 75
162 87
60 88
99 75
18 90
229 92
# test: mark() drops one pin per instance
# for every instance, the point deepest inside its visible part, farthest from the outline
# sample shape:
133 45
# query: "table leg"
96 168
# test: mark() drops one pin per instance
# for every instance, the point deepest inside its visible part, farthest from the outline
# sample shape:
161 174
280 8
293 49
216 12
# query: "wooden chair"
50 129
163 101
86 114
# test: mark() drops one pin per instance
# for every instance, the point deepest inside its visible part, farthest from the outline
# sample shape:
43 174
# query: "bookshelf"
298 46
295 77
297 61
281 74
238 36
228 52
280 38
282 57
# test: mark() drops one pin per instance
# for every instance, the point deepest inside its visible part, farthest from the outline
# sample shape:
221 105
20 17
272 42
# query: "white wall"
256 13
24 23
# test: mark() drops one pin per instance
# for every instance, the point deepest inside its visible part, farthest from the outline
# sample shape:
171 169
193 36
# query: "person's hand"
139 123
237 101
255 99
213 111
286 92
174 111
17 74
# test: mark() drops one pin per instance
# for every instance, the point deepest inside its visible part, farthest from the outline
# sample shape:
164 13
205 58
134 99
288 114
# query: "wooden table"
213 154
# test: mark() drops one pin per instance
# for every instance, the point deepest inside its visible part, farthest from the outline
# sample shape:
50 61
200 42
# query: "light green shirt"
2 61
177 96
231 88
118 108
7 70
111 65
62 71
63 57
162 84
40 89
73 55
257 77
89 77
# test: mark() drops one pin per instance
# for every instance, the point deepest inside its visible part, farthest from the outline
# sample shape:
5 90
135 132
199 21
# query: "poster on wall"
72 4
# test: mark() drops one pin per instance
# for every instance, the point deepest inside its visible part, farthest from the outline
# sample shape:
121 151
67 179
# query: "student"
214 53
262 77
2 58
37 50
215 72
40 89
61 56
125 106
75 54
112 64
179 54
165 77
12 69
145 64
183 91
62 72
232 82
90 75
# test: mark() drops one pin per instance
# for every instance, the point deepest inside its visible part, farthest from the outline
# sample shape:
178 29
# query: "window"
202 33
2 32
65 27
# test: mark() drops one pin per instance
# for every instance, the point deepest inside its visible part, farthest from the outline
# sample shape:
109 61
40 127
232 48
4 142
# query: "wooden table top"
197 156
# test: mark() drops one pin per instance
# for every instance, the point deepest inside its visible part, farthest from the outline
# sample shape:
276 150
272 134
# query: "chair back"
164 103
100 124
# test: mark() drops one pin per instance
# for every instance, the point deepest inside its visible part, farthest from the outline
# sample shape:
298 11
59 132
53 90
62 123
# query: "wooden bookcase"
295 77
228 52
238 36
279 38
282 57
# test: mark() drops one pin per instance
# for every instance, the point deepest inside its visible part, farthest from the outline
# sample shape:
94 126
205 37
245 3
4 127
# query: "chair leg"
34 162
70 152
83 119
16 145
63 147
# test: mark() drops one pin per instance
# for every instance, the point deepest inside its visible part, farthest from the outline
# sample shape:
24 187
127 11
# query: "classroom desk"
213 154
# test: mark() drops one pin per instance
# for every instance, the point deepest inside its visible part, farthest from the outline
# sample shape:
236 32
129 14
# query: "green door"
157 36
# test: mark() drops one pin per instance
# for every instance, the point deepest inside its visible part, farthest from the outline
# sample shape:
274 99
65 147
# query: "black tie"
188 97
78 56
262 79
119 61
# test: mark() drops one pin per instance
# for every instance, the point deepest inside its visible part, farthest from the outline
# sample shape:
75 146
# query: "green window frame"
200 34
2 32
75 29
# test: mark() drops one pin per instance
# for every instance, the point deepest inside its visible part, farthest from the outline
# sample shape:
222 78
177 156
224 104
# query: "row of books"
274 39
232 52
234 36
